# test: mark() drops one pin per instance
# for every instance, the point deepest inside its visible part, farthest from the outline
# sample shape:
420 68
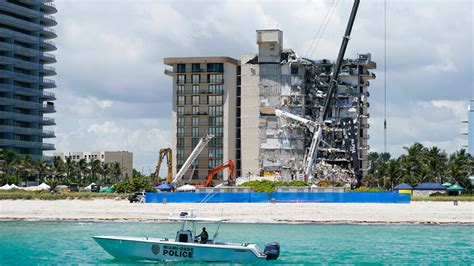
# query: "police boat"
187 246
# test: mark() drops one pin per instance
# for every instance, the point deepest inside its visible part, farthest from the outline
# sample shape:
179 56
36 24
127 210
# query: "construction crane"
168 154
217 169
311 157
192 157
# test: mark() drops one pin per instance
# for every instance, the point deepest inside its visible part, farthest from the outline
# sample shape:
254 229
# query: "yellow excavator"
168 154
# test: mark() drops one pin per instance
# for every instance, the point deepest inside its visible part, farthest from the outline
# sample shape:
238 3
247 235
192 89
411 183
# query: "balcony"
20 103
201 124
48 33
27 91
47 108
200 92
18 76
28 118
202 81
48 83
27 131
26 144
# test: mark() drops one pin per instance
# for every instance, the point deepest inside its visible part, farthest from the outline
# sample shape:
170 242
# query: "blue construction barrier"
258 197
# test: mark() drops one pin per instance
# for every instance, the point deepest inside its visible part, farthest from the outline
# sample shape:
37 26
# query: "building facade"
204 102
25 42
471 127
124 158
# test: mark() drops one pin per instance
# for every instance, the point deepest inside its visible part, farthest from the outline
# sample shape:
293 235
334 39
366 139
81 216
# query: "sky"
113 94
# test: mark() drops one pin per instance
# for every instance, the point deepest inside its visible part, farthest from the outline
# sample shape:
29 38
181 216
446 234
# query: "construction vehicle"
217 169
311 156
168 154
192 157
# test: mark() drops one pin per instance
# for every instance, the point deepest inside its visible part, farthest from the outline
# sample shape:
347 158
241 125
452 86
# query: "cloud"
112 93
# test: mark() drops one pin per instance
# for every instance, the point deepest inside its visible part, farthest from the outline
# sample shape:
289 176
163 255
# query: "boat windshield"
196 226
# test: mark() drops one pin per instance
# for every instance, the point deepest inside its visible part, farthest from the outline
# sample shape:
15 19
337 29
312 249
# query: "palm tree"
436 163
83 168
70 166
116 171
95 167
57 168
460 165
393 172
104 172
42 169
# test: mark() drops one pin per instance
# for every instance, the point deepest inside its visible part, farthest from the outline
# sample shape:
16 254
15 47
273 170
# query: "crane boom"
309 123
317 136
192 157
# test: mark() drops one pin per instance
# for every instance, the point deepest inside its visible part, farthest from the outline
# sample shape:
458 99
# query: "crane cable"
318 34
385 77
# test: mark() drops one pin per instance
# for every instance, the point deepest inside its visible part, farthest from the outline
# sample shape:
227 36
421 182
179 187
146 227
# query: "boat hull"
130 248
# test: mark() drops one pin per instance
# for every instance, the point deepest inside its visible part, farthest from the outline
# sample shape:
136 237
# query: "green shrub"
270 186
134 184
366 189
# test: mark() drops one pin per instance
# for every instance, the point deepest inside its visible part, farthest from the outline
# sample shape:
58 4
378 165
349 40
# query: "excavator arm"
217 169
168 154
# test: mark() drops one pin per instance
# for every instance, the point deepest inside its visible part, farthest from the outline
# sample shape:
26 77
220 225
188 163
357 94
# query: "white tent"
14 186
5 187
44 186
186 188
89 187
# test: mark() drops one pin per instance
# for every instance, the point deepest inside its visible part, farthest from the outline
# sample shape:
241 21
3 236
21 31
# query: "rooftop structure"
25 43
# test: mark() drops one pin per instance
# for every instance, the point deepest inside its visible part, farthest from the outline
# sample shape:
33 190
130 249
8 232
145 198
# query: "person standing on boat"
203 235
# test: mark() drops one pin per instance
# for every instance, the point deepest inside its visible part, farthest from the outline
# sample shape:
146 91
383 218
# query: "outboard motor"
272 251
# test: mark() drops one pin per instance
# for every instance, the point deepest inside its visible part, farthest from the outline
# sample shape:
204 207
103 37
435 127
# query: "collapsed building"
280 79
235 101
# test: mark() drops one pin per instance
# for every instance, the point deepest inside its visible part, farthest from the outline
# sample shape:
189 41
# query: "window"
216 89
214 163
215 67
179 163
215 153
180 110
195 110
181 79
180 142
215 100
180 153
195 89
214 78
195 132
181 100
215 110
196 78
196 67
194 142
294 70
180 89
195 100
215 130
195 121
181 68
180 121
180 131
215 142
216 121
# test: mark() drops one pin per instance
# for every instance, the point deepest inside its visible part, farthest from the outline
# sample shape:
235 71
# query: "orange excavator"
217 169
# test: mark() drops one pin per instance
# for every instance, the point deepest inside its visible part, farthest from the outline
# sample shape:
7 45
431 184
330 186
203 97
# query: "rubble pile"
333 173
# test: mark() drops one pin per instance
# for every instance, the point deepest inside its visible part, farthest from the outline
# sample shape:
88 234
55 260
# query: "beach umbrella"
455 187
5 187
186 188
164 187
447 184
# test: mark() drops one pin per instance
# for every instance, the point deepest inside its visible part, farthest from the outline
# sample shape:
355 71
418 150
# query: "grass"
41 195
444 198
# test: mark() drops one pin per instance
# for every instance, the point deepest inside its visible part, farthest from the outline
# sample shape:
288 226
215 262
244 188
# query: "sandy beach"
120 210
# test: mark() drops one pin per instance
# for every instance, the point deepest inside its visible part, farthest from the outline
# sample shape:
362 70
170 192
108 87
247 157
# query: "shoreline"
290 222
109 210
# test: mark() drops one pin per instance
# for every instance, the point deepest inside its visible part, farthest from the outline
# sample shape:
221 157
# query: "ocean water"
33 242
